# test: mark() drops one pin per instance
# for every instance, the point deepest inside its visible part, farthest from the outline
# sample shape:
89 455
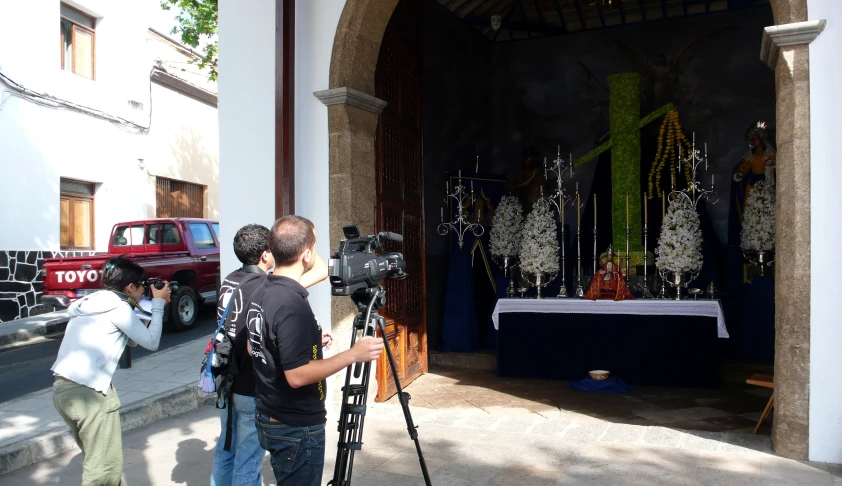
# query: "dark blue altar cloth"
610 385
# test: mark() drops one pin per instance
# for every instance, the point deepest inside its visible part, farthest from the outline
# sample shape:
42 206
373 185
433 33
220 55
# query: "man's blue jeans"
242 464
297 453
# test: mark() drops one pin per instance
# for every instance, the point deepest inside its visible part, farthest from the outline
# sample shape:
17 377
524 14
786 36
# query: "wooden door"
399 194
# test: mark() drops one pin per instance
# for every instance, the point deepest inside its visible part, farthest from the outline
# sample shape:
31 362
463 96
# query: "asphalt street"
26 369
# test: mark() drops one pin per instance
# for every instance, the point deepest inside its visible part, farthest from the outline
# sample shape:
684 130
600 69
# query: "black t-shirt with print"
285 335
238 332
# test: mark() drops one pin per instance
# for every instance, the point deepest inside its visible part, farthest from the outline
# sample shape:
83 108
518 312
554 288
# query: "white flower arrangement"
758 233
680 245
539 251
505 227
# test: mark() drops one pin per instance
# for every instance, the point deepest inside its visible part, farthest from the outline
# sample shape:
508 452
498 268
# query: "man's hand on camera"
163 293
367 349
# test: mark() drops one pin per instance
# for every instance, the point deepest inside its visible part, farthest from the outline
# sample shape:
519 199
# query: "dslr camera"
355 270
159 284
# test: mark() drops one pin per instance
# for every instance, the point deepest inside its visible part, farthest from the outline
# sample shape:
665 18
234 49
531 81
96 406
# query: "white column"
826 235
246 119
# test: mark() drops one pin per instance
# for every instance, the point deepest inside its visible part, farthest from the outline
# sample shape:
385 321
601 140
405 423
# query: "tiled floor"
735 407
478 430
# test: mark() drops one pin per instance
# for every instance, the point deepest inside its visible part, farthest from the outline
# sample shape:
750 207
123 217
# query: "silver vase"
678 283
539 283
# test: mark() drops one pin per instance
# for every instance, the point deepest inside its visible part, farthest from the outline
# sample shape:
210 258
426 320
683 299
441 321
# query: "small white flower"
539 252
680 245
759 219
505 227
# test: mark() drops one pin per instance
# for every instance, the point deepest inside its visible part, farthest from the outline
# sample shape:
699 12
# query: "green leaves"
198 20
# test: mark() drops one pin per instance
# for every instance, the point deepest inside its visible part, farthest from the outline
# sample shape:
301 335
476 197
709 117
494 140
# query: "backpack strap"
226 394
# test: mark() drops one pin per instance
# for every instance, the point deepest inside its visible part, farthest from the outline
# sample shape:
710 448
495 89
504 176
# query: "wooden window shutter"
83 52
179 199
65 222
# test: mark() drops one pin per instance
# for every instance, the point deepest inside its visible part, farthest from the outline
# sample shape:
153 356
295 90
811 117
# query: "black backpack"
225 367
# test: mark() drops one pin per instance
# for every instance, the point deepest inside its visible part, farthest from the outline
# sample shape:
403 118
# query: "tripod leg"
403 398
351 418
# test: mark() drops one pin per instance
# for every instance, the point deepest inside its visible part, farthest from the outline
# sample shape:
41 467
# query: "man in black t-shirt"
285 342
241 465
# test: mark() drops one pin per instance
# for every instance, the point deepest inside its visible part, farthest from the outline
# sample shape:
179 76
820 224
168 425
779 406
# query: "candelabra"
460 225
694 191
560 199
646 293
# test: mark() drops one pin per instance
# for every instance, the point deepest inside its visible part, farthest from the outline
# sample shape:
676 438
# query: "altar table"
644 342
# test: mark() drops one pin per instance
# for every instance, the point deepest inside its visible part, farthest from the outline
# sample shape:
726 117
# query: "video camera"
355 269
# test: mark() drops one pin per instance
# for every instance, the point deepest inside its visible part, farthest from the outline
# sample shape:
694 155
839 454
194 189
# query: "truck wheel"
184 309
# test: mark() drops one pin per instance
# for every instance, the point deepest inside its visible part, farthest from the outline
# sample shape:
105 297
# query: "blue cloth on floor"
610 385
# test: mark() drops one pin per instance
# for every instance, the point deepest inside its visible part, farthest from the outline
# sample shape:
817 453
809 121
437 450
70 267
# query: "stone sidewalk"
155 387
464 446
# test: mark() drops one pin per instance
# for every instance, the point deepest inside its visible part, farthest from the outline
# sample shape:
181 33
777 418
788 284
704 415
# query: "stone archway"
352 121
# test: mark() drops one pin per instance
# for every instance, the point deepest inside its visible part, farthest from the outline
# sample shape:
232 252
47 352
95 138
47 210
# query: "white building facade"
328 34
90 131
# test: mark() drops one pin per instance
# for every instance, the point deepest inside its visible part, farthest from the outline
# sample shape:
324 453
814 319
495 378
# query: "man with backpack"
239 456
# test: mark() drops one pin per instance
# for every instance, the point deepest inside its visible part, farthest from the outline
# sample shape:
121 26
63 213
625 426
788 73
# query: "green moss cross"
625 124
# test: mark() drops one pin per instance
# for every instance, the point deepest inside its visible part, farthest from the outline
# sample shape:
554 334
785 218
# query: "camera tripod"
352 415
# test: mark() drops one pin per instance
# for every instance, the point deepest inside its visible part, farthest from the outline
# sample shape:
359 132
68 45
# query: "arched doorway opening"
353 122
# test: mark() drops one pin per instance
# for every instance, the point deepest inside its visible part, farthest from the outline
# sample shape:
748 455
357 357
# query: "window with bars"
179 199
77 42
77 215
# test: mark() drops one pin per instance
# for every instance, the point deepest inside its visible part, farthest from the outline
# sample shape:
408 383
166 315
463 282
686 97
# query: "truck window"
202 236
169 234
151 235
121 236
125 235
215 229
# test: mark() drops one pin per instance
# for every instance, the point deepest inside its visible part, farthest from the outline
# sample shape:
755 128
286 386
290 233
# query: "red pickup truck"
179 250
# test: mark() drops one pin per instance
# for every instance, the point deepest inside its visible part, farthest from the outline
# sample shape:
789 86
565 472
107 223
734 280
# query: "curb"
54 325
58 440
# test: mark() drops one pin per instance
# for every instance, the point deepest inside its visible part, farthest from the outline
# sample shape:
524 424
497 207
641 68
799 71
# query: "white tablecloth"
704 308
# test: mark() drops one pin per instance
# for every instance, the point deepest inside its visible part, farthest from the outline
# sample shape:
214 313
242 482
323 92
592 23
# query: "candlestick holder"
646 293
580 292
628 249
595 252
560 199
460 224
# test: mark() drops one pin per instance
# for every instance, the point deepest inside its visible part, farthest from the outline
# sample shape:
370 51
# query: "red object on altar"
608 282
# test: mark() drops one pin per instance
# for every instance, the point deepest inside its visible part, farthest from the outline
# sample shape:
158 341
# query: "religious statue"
609 282
758 163
531 181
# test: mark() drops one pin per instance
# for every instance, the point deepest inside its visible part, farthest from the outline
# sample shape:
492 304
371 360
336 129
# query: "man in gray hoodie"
100 326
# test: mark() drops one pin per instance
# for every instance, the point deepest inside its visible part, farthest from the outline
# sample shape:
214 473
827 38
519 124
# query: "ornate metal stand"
460 225
761 259
595 252
560 199
693 193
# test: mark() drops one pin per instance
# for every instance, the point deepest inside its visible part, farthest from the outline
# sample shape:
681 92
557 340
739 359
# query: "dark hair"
119 272
250 242
290 236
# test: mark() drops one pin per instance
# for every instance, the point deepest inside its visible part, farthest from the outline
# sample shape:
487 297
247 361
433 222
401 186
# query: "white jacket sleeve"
128 322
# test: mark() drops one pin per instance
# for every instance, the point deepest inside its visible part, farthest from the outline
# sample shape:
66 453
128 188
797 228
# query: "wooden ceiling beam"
523 12
599 13
473 6
540 13
560 15
506 16
579 13
518 25
489 7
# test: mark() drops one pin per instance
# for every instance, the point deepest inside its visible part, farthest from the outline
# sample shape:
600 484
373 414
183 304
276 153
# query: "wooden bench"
766 381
